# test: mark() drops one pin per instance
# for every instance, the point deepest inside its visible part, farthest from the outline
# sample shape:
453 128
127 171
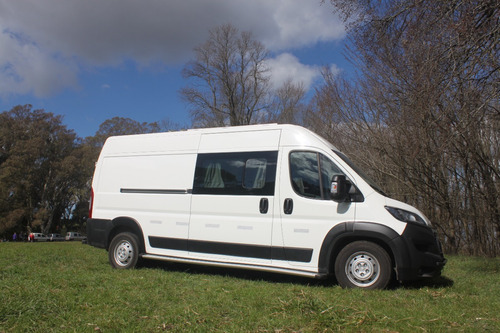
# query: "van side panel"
154 190
150 144
240 141
147 172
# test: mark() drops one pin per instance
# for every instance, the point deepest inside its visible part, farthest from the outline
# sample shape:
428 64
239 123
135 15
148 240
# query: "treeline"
421 116
424 112
46 169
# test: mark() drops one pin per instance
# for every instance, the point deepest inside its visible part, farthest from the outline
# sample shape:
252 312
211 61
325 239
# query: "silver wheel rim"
362 269
124 252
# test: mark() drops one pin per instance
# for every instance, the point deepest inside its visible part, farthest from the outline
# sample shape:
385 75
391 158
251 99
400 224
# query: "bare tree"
229 79
424 111
288 105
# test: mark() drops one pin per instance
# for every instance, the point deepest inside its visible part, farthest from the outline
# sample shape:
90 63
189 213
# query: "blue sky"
96 59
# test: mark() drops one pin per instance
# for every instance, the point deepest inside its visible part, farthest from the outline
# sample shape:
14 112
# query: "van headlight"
405 216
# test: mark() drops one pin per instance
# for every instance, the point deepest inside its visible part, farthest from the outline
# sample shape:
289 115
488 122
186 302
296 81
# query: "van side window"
304 174
242 173
311 174
255 173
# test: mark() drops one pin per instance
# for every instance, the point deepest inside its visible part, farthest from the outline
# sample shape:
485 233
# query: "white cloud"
26 68
286 66
303 23
44 43
335 69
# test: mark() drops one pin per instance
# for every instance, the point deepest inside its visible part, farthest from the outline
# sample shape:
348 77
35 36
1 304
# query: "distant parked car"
70 236
38 237
55 237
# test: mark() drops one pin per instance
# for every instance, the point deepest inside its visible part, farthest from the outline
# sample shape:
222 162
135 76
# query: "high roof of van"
188 141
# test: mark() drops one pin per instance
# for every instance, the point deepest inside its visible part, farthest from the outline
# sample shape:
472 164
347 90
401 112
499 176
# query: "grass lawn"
68 286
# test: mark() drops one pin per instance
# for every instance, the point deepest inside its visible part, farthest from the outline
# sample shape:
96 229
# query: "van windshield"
360 172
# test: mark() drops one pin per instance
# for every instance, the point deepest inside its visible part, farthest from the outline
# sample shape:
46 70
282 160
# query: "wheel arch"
126 224
344 233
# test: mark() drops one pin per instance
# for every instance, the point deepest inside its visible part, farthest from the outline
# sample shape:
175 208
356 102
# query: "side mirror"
338 189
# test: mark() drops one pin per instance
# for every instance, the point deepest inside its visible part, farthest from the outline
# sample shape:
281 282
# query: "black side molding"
155 191
233 249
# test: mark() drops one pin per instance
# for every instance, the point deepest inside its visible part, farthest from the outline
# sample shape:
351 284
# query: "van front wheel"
363 264
124 251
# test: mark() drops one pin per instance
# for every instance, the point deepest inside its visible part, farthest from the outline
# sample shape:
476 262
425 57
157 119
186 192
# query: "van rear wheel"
124 251
363 264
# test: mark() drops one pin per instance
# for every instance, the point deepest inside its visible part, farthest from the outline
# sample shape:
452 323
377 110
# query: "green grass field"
69 286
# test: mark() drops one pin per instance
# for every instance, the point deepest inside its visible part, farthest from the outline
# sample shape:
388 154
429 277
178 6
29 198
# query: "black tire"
363 264
124 251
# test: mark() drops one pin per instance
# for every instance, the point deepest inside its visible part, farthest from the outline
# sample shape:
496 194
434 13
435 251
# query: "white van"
74 236
272 197
39 237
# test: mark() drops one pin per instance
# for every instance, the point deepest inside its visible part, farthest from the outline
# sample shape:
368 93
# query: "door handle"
263 205
288 206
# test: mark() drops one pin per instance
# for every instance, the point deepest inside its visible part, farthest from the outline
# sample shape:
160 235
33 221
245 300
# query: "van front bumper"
424 253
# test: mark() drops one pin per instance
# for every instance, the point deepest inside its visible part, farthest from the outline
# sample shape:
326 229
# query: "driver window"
328 170
311 174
